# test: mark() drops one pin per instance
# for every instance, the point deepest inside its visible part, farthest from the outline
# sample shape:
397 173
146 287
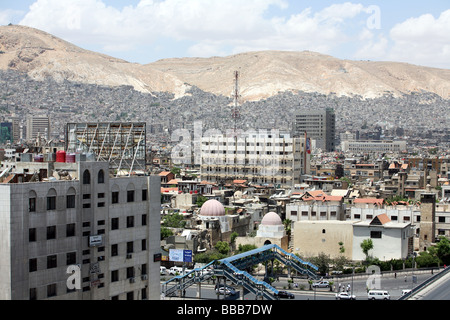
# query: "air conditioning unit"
132 280
129 255
144 277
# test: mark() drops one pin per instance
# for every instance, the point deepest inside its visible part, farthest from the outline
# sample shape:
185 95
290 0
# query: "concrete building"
106 230
256 158
320 125
38 126
373 146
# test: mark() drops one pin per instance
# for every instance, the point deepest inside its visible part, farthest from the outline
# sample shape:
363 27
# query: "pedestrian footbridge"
234 269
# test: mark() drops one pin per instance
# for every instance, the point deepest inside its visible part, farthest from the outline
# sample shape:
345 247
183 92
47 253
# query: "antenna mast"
236 95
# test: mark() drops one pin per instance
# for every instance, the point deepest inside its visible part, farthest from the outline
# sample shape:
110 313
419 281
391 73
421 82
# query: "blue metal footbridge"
233 269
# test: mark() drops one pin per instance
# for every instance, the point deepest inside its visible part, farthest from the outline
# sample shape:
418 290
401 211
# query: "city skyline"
145 31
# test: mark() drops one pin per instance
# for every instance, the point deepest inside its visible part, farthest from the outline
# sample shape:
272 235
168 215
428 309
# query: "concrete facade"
107 227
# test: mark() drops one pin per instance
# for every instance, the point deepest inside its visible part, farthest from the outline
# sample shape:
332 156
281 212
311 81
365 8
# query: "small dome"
271 219
212 208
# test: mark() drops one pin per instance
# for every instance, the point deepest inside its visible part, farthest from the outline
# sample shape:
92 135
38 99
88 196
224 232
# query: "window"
51 290
115 197
70 201
71 258
51 262
115 276
86 177
70 230
375 234
144 195
32 204
144 219
144 244
32 265
130 196
144 269
130 272
101 177
32 235
51 203
114 250
130 247
33 294
114 223
51 232
294 213
130 221
86 196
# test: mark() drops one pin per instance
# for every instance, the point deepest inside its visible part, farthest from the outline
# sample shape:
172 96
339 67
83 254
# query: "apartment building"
37 126
77 223
276 159
373 146
319 125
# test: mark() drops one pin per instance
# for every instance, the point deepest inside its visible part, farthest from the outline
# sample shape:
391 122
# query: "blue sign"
187 256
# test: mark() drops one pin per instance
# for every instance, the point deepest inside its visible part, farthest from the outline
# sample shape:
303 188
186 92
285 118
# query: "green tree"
165 233
176 171
201 200
322 261
443 250
175 220
246 247
288 226
366 246
223 247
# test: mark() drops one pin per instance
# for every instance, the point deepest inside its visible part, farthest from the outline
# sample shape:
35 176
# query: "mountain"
262 74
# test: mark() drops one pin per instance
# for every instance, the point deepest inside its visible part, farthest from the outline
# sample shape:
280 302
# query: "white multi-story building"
72 220
257 158
372 146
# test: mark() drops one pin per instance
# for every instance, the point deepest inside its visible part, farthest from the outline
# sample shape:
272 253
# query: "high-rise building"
319 125
275 159
71 231
38 126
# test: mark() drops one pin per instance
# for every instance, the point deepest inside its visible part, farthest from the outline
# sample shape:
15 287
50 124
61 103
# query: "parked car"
285 295
175 271
162 270
345 296
378 295
321 284
229 291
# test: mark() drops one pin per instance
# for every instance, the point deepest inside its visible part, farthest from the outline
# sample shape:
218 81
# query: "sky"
144 31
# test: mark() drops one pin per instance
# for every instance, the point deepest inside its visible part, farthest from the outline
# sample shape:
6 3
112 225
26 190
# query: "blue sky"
144 31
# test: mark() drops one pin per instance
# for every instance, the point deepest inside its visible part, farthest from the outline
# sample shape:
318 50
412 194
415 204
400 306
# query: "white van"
162 270
378 295
175 270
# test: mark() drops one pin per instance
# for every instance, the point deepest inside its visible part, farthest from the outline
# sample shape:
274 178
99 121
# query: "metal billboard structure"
122 144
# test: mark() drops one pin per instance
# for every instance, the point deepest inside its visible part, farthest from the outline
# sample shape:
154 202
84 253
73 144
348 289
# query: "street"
301 289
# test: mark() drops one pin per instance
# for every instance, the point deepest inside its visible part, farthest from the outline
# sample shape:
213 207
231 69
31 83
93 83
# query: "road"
393 284
436 291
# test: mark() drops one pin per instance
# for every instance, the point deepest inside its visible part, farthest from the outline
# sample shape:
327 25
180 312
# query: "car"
229 291
321 284
378 295
162 270
345 296
405 292
175 271
285 295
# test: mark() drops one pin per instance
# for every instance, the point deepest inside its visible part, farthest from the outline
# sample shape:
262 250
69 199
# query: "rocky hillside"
263 74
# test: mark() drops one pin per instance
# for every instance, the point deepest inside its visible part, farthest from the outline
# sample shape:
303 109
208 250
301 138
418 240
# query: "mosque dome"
271 219
212 208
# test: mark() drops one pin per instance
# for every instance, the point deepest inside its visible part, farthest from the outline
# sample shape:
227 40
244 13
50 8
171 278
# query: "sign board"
95 241
179 255
176 255
187 256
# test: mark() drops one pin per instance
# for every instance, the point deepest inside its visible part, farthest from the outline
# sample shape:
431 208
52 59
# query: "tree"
366 246
443 250
287 226
201 200
223 247
341 247
165 233
174 221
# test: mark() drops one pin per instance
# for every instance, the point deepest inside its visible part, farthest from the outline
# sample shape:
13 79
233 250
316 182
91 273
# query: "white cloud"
7 16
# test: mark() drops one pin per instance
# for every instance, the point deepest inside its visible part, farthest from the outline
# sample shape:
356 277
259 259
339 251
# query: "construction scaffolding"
122 144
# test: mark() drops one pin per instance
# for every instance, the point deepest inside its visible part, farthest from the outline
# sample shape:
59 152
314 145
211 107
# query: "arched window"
101 177
51 199
32 201
86 177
